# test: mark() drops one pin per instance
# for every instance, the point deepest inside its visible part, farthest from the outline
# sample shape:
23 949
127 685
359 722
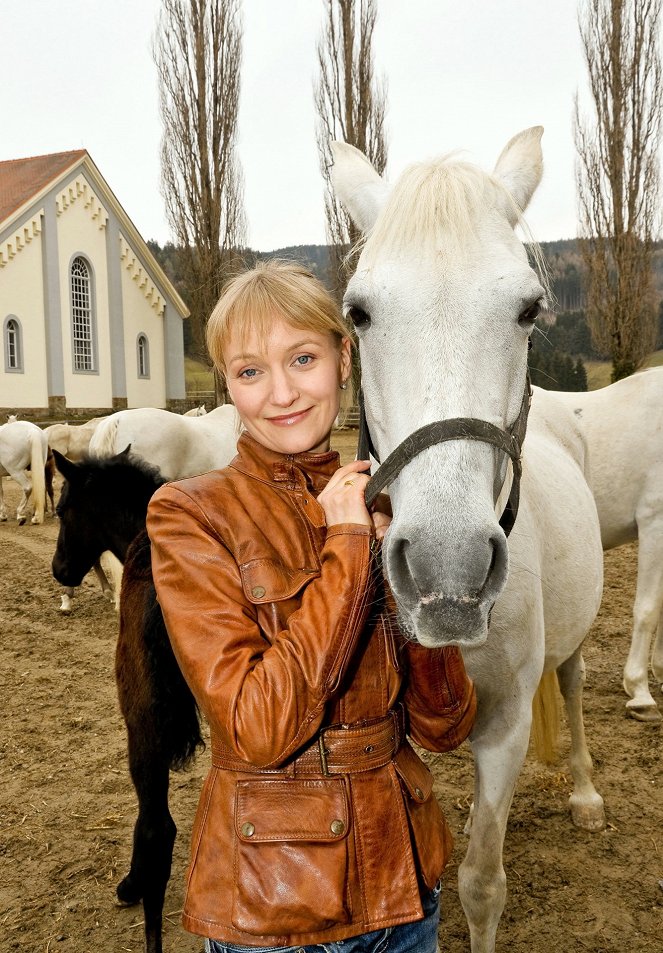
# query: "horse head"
443 301
102 506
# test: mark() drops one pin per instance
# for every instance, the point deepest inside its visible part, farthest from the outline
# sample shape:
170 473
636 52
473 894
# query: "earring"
344 384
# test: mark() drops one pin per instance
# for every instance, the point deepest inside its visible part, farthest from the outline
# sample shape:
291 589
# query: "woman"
317 828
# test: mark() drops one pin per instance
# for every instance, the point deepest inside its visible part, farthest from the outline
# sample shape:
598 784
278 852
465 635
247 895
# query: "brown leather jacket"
317 820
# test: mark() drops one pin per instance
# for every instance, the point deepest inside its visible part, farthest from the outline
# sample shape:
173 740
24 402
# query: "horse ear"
123 453
67 468
357 186
520 167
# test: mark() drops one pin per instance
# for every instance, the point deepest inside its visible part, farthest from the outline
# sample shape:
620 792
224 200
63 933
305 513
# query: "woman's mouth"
288 420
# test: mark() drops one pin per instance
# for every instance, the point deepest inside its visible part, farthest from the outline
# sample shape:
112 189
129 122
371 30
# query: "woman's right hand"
343 498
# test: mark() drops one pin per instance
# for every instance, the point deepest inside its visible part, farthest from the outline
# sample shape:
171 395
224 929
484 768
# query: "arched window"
81 316
13 345
143 355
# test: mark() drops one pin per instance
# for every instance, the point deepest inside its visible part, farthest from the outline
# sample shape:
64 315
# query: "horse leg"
67 595
657 655
3 508
586 803
646 616
499 742
106 588
20 477
154 834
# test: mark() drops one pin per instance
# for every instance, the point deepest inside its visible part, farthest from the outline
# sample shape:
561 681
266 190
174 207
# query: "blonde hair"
272 289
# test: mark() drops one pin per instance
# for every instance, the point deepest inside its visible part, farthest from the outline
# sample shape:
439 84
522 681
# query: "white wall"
22 295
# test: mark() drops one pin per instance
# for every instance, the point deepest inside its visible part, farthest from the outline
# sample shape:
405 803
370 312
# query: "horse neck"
124 521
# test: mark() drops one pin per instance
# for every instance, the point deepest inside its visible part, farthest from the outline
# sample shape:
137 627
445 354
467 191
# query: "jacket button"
419 793
258 592
337 827
248 830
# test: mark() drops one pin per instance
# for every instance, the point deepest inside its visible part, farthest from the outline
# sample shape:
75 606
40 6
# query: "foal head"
443 301
102 506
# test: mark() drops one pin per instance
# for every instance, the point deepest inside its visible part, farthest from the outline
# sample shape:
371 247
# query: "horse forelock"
433 206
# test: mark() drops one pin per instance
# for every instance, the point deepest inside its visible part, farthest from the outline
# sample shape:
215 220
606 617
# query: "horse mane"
436 205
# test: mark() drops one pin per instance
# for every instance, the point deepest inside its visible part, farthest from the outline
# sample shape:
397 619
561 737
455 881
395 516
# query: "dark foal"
103 506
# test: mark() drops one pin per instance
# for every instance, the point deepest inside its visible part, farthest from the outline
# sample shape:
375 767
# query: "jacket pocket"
431 838
267 580
291 856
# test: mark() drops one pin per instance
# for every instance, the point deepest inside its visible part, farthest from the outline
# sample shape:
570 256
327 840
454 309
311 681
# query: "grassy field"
198 376
598 372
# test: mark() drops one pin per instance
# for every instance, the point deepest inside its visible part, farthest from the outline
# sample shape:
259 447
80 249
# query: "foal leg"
106 588
3 508
586 803
646 616
154 834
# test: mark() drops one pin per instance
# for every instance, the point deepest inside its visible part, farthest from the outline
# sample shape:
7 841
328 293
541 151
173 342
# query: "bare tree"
618 175
351 106
197 52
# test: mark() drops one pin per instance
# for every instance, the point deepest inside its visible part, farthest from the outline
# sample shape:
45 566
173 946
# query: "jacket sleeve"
263 700
440 698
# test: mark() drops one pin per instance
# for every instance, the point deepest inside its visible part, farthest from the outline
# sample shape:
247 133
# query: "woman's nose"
284 391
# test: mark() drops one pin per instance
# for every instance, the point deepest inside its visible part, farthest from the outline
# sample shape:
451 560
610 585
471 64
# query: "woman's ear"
345 361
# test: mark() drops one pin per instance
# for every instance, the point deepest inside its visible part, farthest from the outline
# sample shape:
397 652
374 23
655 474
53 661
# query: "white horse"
23 446
196 411
623 425
72 440
179 446
444 300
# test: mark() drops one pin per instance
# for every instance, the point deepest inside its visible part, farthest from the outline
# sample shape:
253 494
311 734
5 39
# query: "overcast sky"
461 75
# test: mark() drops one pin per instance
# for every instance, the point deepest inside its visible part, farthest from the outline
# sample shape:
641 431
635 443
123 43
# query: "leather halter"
457 428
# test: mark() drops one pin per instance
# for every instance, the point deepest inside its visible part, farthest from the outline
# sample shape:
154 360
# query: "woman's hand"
343 498
381 515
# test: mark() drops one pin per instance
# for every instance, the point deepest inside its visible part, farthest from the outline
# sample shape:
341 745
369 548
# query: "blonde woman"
317 829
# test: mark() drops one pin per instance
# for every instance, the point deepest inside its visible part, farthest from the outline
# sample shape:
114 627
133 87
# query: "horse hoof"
649 714
588 815
21 521
127 894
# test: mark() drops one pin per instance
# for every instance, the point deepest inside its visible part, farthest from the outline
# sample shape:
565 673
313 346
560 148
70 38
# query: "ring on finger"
349 483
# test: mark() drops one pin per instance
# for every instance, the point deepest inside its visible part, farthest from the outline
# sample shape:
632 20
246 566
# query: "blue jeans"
417 937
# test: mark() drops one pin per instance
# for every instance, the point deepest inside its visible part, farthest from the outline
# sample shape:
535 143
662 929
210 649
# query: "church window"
13 345
143 355
81 316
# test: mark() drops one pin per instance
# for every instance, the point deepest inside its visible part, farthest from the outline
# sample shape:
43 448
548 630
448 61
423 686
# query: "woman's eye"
303 360
359 317
530 314
248 373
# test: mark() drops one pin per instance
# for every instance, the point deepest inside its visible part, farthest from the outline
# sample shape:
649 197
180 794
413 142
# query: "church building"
90 322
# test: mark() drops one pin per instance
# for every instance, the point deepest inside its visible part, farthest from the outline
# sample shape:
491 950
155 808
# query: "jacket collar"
310 470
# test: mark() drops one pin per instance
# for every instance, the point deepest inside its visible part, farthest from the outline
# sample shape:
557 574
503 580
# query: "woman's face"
287 389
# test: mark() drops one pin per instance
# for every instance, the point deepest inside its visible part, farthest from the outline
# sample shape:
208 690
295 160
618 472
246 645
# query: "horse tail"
37 466
102 442
158 708
545 719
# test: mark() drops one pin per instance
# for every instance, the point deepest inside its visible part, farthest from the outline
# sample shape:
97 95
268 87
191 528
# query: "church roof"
20 179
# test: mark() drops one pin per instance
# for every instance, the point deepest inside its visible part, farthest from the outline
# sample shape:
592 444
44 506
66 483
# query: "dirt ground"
67 806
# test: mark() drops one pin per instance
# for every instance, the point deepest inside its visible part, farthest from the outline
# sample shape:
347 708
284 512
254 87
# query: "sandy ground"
67 805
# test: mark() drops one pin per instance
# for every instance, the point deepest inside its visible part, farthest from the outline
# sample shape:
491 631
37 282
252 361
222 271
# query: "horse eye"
530 314
359 317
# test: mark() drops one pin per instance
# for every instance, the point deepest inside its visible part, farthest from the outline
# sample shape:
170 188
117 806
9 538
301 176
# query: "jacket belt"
336 749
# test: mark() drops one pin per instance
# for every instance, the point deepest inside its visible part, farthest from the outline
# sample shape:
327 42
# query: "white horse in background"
72 440
179 446
23 446
196 411
444 300
623 425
